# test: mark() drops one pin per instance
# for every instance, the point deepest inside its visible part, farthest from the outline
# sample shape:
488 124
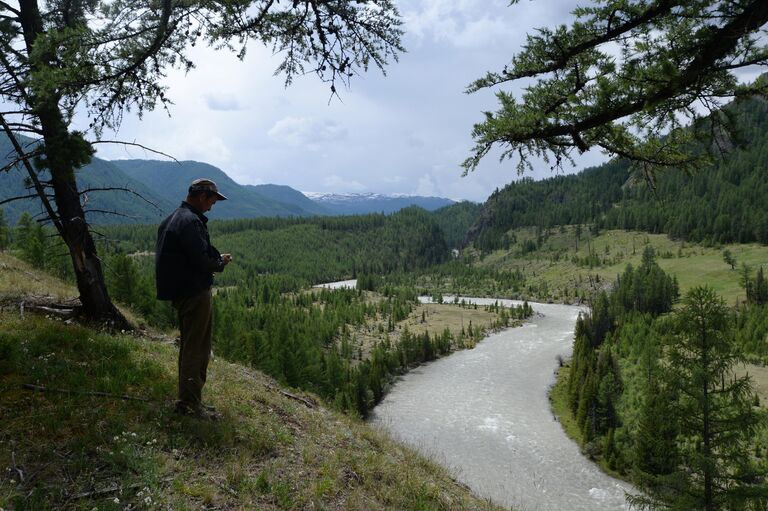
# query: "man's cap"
205 185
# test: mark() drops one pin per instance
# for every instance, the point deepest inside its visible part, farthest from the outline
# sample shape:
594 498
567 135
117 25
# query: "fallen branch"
305 401
113 489
62 312
40 388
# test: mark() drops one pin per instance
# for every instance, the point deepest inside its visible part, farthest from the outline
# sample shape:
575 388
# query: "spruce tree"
714 416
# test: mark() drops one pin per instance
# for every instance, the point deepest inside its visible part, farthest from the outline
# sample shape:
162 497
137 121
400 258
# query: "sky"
404 133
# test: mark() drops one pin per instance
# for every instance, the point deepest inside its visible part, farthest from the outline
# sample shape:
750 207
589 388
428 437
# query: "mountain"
362 203
721 203
288 195
160 186
172 179
98 174
455 219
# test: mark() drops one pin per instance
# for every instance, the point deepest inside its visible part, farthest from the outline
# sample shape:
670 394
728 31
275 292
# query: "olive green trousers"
195 322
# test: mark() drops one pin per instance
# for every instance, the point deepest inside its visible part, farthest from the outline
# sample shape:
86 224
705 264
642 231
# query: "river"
484 414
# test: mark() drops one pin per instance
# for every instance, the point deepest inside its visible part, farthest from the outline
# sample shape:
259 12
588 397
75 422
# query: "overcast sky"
406 132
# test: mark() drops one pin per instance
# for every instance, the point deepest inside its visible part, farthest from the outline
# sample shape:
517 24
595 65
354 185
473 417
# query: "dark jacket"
184 257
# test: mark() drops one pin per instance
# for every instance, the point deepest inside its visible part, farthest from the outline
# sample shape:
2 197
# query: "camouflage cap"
205 185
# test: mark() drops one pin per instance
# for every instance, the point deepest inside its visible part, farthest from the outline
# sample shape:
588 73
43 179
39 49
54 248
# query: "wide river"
484 414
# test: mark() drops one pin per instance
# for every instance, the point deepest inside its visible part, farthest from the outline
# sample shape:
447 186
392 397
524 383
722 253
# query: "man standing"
185 262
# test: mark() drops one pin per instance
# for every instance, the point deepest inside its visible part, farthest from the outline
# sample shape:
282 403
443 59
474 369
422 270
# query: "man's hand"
227 258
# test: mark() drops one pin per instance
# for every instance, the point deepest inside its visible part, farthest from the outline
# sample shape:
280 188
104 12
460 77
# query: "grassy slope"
692 264
268 451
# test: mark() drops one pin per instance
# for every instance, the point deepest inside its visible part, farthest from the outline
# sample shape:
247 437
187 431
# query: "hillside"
723 203
98 174
565 265
288 195
172 179
272 449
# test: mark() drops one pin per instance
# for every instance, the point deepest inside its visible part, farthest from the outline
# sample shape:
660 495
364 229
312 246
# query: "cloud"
463 23
200 146
427 186
306 131
481 33
339 184
414 141
222 102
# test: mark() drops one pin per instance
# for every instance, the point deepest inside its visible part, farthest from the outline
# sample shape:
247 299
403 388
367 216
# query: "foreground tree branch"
627 76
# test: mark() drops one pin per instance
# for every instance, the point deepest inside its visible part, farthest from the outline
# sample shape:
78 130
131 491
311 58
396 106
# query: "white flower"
116 501
148 500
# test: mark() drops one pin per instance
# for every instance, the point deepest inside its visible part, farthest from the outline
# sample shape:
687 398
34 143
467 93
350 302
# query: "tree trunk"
64 153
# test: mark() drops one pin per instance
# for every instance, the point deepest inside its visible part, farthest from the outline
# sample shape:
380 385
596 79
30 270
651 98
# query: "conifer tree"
31 240
5 237
714 415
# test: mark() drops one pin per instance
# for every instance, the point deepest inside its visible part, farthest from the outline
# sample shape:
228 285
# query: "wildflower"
147 500
13 481
116 501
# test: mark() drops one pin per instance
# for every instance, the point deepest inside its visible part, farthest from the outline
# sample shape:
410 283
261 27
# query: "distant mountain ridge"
160 186
362 203
171 180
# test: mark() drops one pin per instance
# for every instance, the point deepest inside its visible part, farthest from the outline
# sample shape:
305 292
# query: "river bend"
484 414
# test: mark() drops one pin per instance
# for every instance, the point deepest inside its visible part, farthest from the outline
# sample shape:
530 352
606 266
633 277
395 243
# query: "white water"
484 414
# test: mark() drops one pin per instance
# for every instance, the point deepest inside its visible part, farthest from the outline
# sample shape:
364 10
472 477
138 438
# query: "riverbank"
558 399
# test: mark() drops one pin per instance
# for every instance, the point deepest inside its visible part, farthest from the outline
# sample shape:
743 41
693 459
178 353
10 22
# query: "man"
185 262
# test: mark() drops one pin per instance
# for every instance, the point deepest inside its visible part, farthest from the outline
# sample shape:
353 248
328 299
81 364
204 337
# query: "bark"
61 157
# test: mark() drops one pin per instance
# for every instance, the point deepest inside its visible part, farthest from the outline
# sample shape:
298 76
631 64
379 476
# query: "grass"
268 451
558 400
557 270
759 375
436 318
19 279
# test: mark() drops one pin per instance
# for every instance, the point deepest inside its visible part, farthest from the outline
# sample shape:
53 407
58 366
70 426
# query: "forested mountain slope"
98 174
171 179
455 220
722 203
316 249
